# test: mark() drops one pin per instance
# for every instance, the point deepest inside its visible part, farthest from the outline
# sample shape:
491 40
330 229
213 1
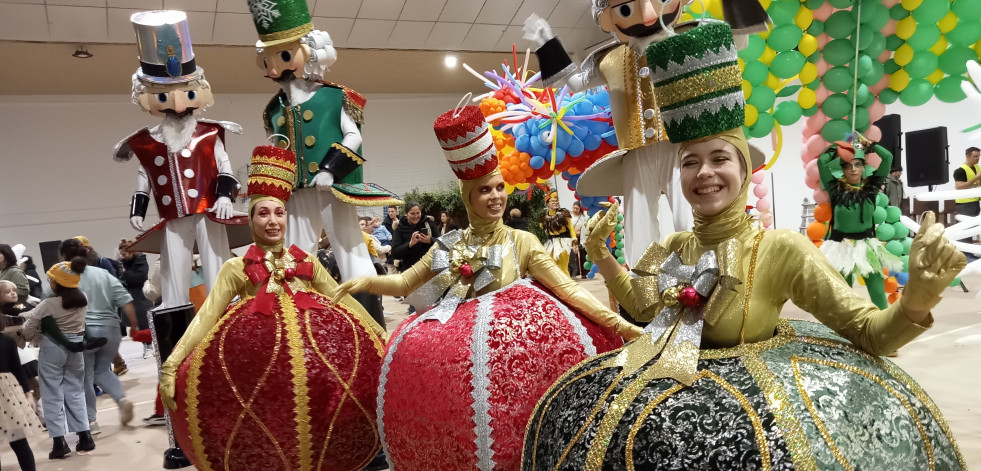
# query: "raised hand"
933 263
598 229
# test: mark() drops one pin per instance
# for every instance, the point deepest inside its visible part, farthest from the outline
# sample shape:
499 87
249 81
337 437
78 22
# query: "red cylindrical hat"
272 172
466 139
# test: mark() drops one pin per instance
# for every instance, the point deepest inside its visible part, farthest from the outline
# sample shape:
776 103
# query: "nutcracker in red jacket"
183 162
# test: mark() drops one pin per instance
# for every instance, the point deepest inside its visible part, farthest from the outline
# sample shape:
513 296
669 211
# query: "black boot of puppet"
60 449
85 442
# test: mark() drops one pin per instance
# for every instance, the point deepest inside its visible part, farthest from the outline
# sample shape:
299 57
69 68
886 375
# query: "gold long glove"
598 228
933 263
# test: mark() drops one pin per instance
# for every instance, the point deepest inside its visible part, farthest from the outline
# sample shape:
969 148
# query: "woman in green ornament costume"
719 381
853 187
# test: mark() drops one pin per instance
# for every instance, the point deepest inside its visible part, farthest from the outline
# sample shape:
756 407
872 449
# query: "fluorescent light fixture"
450 61
81 52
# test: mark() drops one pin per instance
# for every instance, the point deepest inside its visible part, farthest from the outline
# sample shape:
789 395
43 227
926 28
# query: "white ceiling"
444 25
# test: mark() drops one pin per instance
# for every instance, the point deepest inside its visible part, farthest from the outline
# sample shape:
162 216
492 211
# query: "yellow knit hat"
62 274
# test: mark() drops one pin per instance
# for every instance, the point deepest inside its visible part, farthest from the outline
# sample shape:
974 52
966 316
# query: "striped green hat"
280 21
697 82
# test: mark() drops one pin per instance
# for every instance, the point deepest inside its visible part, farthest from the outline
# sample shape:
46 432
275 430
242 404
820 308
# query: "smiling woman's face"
488 200
269 222
712 173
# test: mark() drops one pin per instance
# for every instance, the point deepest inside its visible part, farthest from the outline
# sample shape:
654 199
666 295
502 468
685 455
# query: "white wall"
59 179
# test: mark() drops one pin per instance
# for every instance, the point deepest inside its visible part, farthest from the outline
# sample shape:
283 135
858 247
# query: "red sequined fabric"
286 391
433 395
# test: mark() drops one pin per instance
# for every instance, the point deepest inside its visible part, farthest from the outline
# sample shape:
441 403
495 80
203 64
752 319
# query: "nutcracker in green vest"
321 123
968 176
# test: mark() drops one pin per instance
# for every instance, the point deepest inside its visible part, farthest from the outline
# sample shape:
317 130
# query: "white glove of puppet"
136 222
223 208
537 29
323 180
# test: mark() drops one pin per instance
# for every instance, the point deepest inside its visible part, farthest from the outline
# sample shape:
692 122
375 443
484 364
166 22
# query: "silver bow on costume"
676 331
440 296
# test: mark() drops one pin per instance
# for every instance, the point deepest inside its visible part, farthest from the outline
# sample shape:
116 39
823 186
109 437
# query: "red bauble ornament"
688 297
466 270
290 273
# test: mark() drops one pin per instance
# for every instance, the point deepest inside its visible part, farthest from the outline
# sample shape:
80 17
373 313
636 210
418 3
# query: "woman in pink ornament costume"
498 321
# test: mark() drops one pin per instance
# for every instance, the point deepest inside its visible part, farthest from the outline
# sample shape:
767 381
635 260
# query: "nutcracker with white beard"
645 165
183 162
321 123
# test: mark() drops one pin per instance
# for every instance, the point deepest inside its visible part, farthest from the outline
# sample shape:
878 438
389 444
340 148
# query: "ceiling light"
450 61
82 53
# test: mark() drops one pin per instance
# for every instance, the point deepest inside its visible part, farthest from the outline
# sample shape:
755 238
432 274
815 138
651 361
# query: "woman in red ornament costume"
278 379
498 321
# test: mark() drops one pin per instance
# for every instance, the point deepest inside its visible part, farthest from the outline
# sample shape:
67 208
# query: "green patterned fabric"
279 21
697 82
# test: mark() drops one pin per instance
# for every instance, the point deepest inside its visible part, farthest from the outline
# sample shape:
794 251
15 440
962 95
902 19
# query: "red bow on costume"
288 273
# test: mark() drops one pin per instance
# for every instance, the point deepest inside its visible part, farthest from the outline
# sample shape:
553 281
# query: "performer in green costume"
853 186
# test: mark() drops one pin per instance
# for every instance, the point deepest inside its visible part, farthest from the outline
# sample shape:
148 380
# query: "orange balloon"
822 212
816 230
891 284
895 297
817 243
885 273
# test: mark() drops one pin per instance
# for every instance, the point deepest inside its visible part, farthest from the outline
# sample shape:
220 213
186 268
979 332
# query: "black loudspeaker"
49 254
926 157
892 138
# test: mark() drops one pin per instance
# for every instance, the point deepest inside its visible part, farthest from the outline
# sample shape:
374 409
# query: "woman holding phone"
413 236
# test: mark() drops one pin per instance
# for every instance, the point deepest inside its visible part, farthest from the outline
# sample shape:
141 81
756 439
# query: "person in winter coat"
413 236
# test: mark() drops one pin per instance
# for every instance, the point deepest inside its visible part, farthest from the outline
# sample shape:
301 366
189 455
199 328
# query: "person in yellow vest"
968 175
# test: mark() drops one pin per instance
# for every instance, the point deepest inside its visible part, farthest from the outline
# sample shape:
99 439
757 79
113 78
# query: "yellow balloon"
747 89
935 77
861 281
906 27
939 47
948 22
911 4
903 55
696 8
804 17
686 17
977 48
806 98
808 45
768 55
808 73
741 63
508 188
715 8
899 80
765 4
751 115
522 186
773 82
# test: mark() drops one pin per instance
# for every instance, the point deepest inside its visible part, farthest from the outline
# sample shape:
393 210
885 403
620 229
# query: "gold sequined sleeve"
542 267
229 282
813 285
324 284
406 282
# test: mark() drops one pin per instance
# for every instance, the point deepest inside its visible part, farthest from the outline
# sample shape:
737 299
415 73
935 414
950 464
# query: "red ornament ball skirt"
457 396
293 390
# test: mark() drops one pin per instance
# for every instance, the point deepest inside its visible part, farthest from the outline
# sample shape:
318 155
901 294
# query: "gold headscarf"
479 225
711 230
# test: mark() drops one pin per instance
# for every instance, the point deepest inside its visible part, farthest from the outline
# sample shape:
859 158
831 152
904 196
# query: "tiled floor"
939 360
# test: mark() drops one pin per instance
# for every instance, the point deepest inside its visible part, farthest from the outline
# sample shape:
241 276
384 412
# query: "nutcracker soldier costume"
497 320
644 166
321 124
718 381
269 375
183 161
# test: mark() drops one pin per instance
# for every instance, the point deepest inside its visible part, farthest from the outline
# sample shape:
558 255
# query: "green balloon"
905 259
618 228
901 232
954 60
875 73
763 126
784 37
925 36
930 12
948 89
890 67
755 73
787 112
787 64
892 215
965 33
836 106
621 260
620 244
897 12
895 247
783 11
907 244
876 46
923 64
810 111
879 215
588 265
893 42
835 130
814 58
839 51
877 19
839 25
618 236
841 4
865 38
884 232
813 4
618 253
754 49
864 65
817 26
619 218
861 118
762 98
918 92
881 200
955 282
837 79
869 99
966 10
888 96
813 85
